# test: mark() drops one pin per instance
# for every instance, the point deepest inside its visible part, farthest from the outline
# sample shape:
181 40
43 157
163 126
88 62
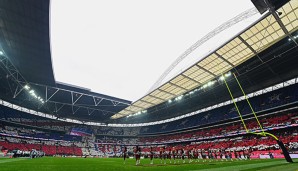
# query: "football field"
102 164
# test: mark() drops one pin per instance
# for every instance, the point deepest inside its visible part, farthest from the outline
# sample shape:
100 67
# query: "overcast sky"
121 47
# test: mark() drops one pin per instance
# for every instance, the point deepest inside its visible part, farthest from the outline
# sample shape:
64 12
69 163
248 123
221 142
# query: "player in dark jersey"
188 155
210 157
170 155
174 153
151 155
124 154
249 153
160 154
215 155
182 155
138 155
196 155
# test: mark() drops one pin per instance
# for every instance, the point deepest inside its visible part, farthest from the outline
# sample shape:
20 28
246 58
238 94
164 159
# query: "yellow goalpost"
262 133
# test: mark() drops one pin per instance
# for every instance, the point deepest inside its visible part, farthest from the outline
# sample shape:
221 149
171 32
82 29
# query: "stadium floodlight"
32 93
179 97
210 83
228 74
170 101
26 87
1 52
221 78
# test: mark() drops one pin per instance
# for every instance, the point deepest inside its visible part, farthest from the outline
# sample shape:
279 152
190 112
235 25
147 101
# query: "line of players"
192 155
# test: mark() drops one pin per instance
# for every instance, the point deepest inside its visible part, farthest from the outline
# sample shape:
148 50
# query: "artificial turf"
116 164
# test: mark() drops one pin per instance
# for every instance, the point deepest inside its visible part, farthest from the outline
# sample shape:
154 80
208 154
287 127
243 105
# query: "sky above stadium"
120 48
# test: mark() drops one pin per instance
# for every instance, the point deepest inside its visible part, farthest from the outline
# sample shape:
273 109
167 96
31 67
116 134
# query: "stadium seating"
24 131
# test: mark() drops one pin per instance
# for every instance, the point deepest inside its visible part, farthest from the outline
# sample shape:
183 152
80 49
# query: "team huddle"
173 155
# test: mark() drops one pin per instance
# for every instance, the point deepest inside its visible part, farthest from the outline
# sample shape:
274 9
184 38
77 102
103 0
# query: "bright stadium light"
228 74
178 98
32 93
1 52
210 83
170 101
221 78
26 87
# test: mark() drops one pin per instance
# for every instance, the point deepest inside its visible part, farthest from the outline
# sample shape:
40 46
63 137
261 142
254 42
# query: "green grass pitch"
109 164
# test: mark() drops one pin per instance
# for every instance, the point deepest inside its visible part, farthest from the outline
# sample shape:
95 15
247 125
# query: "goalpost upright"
262 133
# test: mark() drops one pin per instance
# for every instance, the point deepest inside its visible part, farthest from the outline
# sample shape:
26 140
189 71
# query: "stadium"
235 108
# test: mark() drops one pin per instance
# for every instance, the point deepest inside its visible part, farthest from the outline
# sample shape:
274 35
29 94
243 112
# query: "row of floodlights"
28 88
209 84
138 113
294 37
33 94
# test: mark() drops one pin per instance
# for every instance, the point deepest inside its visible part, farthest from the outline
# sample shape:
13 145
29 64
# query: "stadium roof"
26 72
24 35
269 29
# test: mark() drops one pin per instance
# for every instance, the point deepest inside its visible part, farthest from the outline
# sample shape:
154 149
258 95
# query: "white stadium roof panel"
187 83
157 101
290 19
142 104
256 38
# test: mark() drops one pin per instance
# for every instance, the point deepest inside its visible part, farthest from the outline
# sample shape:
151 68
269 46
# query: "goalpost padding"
285 151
